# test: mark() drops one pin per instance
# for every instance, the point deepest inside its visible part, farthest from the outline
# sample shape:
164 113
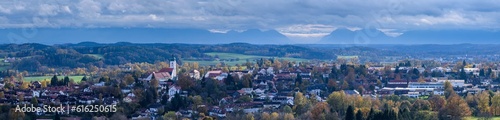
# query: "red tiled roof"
167 70
213 74
162 75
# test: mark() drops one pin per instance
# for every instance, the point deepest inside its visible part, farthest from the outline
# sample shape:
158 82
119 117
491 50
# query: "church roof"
169 70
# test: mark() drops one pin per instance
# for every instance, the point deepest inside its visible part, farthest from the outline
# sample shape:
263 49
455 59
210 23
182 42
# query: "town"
265 88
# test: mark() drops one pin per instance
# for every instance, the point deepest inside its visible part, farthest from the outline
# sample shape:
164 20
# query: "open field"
3 68
98 56
249 57
346 57
40 78
242 58
479 118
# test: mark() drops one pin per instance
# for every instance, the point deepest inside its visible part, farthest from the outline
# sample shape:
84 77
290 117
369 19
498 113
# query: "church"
165 74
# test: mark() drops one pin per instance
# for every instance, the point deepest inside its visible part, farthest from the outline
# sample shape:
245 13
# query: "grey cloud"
260 14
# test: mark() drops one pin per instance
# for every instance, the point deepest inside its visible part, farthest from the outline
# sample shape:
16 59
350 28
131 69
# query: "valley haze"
253 36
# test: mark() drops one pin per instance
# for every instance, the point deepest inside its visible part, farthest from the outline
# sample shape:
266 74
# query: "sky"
292 18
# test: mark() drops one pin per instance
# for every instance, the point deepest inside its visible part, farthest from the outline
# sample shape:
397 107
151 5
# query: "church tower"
173 65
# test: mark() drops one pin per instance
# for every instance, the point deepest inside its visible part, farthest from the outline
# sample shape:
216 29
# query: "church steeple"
173 65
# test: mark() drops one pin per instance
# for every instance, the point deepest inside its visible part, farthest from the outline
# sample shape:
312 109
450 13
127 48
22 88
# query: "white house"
127 99
173 89
99 84
36 93
195 74
221 76
437 84
259 91
213 74
247 90
441 69
130 95
126 90
471 70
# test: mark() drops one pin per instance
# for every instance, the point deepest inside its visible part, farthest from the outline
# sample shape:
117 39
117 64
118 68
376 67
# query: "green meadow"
40 78
242 58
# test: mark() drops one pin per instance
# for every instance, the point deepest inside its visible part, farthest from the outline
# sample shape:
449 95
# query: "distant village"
266 86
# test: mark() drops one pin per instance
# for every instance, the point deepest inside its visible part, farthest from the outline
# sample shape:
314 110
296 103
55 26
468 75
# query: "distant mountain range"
253 36
374 36
138 35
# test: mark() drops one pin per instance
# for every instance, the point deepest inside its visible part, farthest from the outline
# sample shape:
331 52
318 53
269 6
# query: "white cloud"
391 32
218 31
308 30
66 9
311 18
4 10
48 10
89 9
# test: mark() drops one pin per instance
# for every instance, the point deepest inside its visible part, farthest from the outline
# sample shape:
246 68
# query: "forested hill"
32 56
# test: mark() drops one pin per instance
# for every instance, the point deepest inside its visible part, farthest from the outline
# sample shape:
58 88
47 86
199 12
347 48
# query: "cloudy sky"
293 18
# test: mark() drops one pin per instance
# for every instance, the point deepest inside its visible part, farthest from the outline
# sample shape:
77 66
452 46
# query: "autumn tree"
185 82
345 85
154 83
421 79
351 76
495 104
287 109
338 101
247 80
300 103
484 103
420 104
44 83
25 85
265 116
2 95
129 79
456 108
196 65
275 116
197 100
288 116
332 85
448 89
320 110
437 102
472 100
249 116
404 114
14 115
277 64
170 115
